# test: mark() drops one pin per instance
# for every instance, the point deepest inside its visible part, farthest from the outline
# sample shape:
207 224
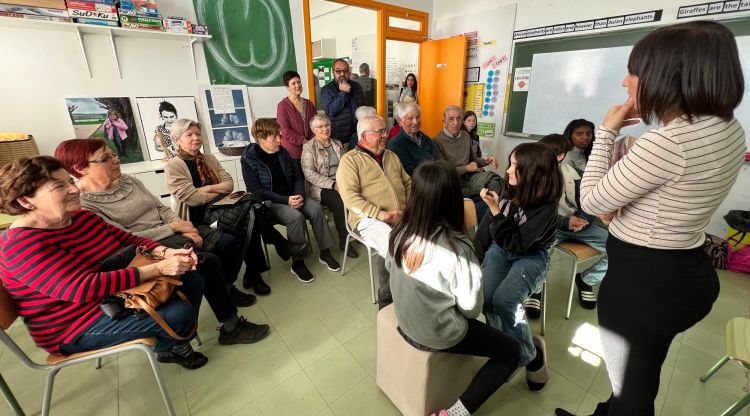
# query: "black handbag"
740 221
236 214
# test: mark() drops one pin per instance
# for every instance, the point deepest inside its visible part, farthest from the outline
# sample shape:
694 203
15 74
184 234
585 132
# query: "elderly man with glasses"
341 98
375 188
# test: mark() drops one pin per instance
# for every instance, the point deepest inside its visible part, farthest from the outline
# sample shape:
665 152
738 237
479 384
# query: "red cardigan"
294 131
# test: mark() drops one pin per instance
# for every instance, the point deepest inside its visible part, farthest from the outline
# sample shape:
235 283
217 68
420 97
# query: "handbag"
235 213
717 250
739 222
149 295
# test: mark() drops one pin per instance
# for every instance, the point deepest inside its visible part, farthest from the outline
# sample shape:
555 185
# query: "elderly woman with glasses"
124 202
320 161
52 263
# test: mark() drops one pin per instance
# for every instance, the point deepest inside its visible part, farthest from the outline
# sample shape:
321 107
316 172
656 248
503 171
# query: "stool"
738 349
419 382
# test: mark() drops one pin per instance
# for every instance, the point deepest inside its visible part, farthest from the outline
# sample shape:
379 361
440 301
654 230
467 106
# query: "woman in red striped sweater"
50 264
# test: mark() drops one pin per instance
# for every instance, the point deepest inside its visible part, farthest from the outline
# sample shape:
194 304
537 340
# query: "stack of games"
177 24
93 12
53 10
140 14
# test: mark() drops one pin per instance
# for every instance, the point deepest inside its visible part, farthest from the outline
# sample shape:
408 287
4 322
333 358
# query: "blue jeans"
509 278
180 316
596 237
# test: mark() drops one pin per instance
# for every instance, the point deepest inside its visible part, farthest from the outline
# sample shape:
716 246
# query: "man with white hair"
411 145
360 114
454 146
374 188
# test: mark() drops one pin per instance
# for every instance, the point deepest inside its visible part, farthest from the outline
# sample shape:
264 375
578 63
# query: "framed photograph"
230 119
108 118
157 116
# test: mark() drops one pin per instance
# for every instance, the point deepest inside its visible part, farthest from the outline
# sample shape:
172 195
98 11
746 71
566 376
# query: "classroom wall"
43 67
344 25
536 13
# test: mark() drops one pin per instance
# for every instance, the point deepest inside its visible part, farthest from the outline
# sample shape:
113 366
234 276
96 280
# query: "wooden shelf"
111 32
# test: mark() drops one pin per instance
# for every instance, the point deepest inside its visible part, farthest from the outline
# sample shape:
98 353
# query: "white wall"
344 24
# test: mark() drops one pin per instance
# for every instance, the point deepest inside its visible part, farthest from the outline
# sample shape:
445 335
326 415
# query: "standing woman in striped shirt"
660 282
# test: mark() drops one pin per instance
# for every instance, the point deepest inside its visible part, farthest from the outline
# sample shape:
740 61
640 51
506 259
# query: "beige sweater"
369 191
669 184
180 184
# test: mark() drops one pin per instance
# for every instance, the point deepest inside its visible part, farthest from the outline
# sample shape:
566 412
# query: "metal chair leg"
714 369
572 287
160 382
346 251
48 391
372 276
10 398
98 364
737 406
544 307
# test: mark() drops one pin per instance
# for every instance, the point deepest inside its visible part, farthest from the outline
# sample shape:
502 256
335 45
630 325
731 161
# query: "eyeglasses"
322 126
381 132
107 158
341 71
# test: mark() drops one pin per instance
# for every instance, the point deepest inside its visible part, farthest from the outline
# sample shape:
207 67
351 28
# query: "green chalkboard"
523 54
252 41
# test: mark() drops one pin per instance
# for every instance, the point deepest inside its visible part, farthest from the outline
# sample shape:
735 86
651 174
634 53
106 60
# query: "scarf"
208 177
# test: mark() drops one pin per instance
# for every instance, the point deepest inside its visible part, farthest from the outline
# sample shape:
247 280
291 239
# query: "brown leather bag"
150 294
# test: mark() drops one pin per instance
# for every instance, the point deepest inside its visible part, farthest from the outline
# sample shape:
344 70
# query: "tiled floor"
320 360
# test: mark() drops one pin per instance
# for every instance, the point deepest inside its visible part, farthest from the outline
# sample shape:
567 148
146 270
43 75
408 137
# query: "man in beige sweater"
374 188
454 146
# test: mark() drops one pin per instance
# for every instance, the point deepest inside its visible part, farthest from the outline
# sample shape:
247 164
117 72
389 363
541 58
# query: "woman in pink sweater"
116 130
293 115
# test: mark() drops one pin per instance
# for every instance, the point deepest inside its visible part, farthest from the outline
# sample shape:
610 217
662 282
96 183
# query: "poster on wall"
108 118
252 42
157 116
228 128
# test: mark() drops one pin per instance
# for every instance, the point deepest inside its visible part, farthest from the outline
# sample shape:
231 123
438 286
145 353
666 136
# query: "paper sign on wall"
486 129
521 79
222 99
474 98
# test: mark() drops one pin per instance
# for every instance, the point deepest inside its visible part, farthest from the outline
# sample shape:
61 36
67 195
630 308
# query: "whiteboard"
585 83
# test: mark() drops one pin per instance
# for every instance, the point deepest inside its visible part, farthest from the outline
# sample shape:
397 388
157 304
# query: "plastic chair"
56 362
370 251
738 349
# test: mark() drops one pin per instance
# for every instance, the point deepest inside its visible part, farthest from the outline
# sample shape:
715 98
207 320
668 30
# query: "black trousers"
482 340
647 297
332 199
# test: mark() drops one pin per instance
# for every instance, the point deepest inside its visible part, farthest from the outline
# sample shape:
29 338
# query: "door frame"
385 31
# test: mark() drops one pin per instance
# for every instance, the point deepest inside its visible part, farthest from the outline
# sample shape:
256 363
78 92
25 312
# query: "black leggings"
646 298
483 340
332 200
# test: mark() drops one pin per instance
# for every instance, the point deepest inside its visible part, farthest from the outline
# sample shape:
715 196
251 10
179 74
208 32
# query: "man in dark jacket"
341 98
268 170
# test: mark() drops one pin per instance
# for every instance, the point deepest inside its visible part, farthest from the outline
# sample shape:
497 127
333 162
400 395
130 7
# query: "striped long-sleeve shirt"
669 184
54 279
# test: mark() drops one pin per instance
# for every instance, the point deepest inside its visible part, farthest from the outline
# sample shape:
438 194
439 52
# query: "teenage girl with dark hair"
437 284
580 134
470 126
516 237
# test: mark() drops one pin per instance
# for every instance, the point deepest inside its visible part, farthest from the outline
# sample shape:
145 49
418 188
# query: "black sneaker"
240 298
191 361
533 305
327 259
586 295
255 281
301 272
244 333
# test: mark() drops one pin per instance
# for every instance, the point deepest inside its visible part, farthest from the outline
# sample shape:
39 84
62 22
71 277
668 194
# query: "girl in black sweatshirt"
513 242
